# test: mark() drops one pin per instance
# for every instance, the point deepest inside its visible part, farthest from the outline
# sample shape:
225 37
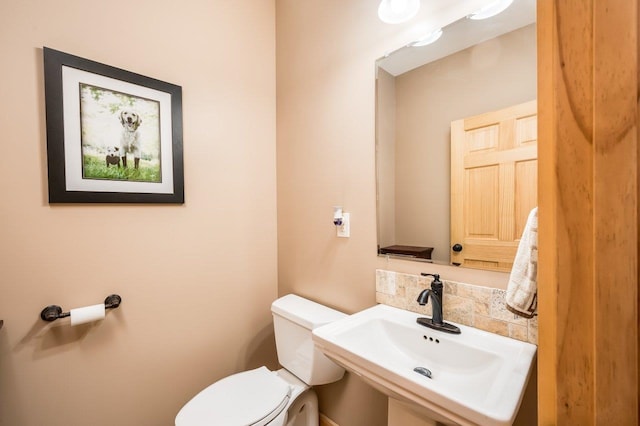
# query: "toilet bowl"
262 397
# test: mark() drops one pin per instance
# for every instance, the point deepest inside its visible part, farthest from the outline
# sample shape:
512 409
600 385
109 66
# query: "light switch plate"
344 230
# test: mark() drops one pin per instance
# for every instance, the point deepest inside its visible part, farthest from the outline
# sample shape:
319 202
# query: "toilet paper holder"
53 312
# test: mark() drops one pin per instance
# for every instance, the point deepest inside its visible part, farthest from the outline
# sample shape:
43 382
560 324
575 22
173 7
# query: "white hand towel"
522 290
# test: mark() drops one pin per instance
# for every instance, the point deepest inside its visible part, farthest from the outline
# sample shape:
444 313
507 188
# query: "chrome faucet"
436 321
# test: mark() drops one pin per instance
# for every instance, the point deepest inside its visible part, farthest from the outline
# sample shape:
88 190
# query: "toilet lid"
252 397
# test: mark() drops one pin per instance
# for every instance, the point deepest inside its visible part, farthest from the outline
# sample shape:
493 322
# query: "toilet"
276 398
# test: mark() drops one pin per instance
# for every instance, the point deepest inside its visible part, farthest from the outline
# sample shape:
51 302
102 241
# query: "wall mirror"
443 111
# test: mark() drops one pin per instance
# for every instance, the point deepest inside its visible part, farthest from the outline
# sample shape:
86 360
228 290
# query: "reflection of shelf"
413 251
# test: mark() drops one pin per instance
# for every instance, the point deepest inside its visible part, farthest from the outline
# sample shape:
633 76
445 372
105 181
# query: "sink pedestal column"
401 414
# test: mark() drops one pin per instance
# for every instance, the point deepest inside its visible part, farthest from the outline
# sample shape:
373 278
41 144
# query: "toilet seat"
253 397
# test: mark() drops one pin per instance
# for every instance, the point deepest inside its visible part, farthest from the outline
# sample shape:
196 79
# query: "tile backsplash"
480 307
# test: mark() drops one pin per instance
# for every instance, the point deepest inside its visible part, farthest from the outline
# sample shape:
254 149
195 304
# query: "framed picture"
113 136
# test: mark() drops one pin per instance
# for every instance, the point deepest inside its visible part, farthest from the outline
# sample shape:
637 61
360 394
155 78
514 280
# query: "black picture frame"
80 143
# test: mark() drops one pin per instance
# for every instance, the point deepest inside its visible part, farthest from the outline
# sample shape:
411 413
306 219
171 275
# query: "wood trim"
547 224
588 212
616 231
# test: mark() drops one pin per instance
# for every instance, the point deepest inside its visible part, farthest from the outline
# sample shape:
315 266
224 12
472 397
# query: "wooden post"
588 212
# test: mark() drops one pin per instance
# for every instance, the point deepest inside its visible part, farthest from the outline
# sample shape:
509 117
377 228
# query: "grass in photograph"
96 168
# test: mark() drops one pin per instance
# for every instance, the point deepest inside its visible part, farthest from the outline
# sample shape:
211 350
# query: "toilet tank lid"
305 312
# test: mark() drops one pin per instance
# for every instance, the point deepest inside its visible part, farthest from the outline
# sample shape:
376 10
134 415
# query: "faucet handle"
436 276
436 283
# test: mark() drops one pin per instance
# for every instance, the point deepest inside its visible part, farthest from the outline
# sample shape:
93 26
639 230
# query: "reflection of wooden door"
493 184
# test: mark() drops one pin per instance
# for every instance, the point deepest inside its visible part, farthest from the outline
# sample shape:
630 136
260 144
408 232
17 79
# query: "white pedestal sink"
476 378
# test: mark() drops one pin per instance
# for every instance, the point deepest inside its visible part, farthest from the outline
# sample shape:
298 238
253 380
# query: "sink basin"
476 377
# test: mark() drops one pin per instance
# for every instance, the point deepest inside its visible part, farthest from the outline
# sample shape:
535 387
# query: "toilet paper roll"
87 314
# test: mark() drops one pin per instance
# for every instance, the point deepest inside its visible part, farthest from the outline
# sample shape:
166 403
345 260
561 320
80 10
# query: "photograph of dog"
130 138
119 135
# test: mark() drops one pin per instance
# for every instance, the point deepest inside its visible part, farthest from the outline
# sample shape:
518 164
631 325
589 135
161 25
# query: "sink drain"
424 371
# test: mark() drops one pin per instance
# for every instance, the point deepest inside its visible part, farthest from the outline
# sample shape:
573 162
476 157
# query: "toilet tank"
293 319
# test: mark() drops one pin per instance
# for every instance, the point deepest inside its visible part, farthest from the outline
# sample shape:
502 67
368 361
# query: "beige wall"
196 280
326 50
492 75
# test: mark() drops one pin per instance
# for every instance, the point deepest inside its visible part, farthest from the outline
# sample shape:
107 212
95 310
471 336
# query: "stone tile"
422 310
491 325
385 282
519 332
412 304
533 330
404 282
481 294
450 287
383 298
458 309
390 300
412 290
465 290
476 306
482 308
424 282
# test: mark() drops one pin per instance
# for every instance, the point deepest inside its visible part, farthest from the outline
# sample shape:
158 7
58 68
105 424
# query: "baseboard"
326 421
